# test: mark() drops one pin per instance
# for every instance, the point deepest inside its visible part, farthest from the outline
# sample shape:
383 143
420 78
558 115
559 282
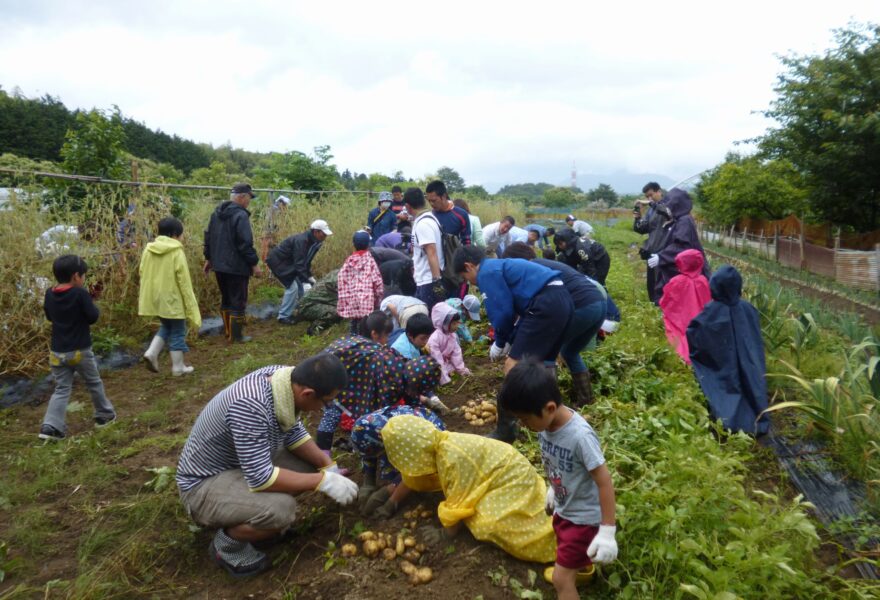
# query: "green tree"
95 145
299 171
559 197
750 187
476 191
528 192
828 110
454 182
603 193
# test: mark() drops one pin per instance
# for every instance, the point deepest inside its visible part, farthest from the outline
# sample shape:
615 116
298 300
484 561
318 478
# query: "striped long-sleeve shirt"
238 429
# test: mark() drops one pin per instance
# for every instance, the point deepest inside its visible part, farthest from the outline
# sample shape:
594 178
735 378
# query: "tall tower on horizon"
574 175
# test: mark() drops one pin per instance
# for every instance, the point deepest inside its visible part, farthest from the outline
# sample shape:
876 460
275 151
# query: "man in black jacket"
652 224
587 256
230 252
291 262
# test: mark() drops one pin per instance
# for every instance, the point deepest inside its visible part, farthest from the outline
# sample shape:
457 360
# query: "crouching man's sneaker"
104 421
240 559
47 432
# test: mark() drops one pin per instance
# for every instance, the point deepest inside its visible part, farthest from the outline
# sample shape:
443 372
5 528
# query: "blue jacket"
510 285
379 226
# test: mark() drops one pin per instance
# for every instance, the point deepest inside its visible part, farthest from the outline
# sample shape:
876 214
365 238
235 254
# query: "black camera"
644 254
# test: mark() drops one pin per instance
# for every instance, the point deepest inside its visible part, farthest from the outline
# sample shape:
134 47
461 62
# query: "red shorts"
572 541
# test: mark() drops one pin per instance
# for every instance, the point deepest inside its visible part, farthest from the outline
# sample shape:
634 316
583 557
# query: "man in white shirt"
581 228
496 235
427 242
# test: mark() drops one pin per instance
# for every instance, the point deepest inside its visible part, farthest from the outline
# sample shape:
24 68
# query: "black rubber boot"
581 390
236 326
507 428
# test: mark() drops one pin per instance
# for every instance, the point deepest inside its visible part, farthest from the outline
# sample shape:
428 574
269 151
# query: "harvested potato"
409 541
422 576
413 525
349 550
410 514
412 555
367 535
407 567
471 403
389 554
399 546
371 548
381 544
486 414
426 514
420 548
478 422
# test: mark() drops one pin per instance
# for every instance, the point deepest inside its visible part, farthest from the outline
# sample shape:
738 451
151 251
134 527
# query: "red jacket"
683 299
360 286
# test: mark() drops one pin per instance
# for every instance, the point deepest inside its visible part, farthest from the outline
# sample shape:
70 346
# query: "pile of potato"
389 547
480 413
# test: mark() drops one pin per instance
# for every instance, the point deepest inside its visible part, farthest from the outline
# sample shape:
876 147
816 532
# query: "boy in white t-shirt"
581 494
427 241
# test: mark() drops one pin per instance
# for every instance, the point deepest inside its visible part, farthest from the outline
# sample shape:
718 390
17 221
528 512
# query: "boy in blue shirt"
418 329
581 494
527 305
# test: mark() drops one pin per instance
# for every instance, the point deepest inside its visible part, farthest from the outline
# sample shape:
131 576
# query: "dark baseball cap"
243 188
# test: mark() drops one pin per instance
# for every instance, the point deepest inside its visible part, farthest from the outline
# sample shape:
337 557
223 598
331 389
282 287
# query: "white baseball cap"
472 305
321 225
282 200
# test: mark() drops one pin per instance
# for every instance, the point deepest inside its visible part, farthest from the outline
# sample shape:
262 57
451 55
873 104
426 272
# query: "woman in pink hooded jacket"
443 343
684 298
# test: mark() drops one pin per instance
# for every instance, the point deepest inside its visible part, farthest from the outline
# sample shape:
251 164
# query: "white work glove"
603 548
550 502
653 261
332 468
436 405
496 351
311 281
306 288
340 488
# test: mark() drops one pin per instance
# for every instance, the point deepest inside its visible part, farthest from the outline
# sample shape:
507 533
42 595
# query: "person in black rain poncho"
679 234
727 353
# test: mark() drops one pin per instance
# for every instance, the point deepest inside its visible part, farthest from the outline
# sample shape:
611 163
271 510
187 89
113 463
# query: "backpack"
450 243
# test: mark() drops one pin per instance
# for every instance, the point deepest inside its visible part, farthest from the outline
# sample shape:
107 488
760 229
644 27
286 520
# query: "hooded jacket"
683 298
727 352
588 257
229 241
291 260
679 234
488 485
71 311
166 288
443 345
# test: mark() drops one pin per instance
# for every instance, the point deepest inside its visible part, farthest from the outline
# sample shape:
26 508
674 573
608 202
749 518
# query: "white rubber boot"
177 366
151 356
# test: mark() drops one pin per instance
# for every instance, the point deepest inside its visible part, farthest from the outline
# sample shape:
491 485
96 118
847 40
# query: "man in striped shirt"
248 454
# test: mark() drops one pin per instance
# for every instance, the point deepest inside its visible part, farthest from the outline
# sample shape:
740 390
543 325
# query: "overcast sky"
504 92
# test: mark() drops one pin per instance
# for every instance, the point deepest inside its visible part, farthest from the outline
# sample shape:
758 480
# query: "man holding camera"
652 224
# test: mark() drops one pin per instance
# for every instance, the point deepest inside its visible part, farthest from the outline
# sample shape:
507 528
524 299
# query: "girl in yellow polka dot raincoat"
488 485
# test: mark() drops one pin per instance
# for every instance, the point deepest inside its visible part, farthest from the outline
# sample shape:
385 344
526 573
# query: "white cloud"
497 90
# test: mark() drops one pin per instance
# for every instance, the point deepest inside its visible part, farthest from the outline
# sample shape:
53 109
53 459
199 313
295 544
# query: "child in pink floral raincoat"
443 343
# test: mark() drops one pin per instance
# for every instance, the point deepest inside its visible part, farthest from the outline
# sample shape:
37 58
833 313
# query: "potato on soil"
486 414
407 567
389 554
409 541
371 548
420 548
349 550
426 514
367 535
478 422
422 576
413 525
399 546
412 555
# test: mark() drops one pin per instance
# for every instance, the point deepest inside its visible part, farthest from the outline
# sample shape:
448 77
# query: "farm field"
700 515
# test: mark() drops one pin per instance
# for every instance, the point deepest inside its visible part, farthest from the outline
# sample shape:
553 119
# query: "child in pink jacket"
683 299
443 343
360 283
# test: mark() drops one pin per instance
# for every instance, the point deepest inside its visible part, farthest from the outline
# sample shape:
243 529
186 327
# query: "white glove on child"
603 548
340 488
550 502
496 351
653 261
436 405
